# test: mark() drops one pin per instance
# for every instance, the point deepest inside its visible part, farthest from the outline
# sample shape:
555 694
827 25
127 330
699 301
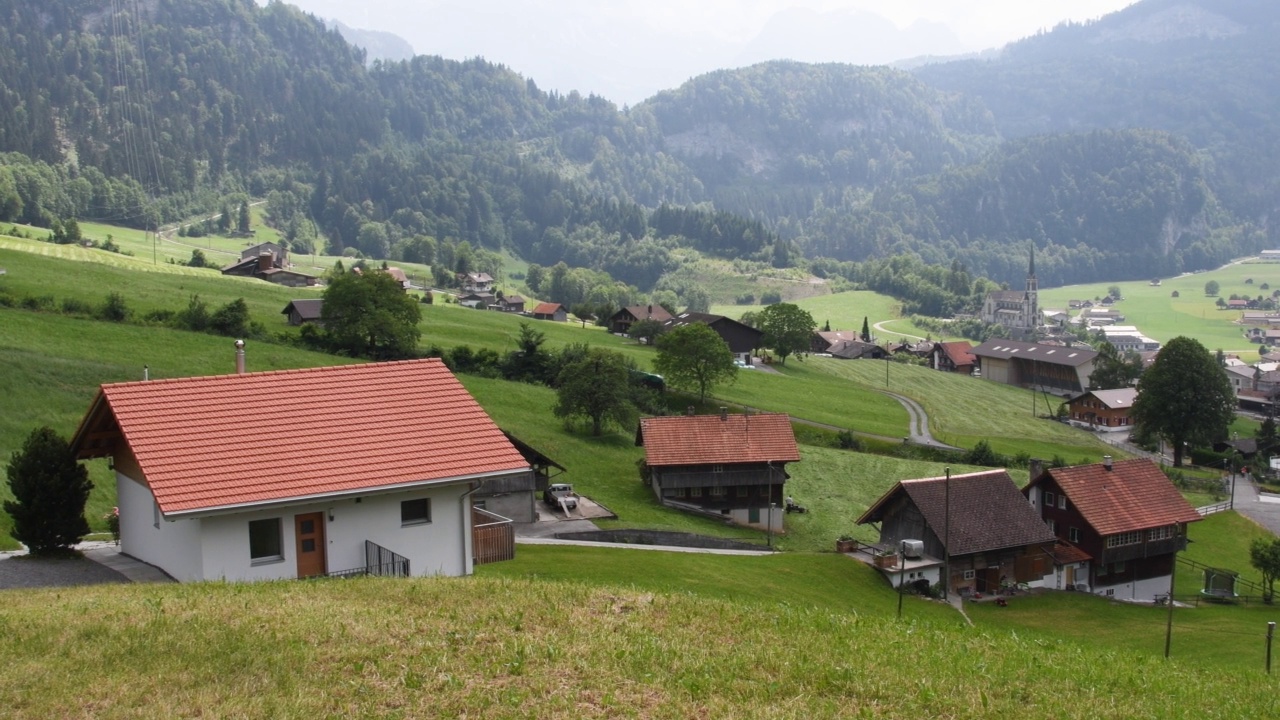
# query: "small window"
415 512
719 491
1053 525
969 574
265 541
1048 499
695 492
680 492
1073 534
1062 502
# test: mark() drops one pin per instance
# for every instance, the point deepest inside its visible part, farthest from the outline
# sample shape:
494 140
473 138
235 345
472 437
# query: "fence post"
1271 630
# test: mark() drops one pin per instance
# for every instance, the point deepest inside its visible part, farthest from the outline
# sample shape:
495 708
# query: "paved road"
1262 509
881 329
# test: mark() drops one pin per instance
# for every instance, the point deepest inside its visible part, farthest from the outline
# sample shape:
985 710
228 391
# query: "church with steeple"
1017 310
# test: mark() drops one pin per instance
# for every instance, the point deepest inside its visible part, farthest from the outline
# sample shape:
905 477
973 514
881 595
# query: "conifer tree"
49 493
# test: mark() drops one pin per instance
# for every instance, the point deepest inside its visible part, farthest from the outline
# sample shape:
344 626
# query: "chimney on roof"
724 413
146 372
1034 467
650 309
689 411
1106 462
239 357
264 261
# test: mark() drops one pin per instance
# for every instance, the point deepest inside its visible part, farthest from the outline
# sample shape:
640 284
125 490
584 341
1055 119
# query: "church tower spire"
1031 306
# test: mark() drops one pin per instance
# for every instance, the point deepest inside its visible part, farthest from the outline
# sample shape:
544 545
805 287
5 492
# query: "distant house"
478 301
1051 368
511 303
1126 515
475 282
1237 304
742 339
270 264
956 357
1127 338
979 522
550 311
822 340
727 466
857 350
304 311
620 322
1105 410
346 469
399 276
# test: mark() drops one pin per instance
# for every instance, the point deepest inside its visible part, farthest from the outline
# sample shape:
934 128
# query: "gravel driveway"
24 571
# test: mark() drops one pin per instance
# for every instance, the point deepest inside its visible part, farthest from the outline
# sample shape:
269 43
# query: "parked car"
557 492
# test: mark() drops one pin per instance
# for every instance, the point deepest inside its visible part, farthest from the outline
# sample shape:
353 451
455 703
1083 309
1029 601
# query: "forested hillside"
1134 146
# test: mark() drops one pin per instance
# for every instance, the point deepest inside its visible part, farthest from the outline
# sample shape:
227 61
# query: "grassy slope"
958 406
1163 317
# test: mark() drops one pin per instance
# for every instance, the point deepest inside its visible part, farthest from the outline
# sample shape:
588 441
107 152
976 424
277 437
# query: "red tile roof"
984 509
960 352
707 439
546 308
1133 495
212 442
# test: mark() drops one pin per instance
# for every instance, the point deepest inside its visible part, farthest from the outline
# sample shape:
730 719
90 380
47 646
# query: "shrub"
75 306
114 308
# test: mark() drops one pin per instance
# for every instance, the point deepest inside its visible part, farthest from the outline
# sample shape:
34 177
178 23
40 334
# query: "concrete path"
525 540
109 555
919 424
880 328
100 562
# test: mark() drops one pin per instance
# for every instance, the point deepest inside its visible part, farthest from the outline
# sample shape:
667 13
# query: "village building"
978 524
1055 369
550 311
1125 515
956 357
1103 410
731 467
341 470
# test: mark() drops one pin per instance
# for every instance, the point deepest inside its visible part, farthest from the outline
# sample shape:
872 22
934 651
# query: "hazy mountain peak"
1177 22
378 45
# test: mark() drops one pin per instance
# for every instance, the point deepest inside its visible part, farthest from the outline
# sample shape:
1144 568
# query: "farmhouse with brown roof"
1126 515
731 467
979 521
956 357
620 322
1104 410
550 311
296 473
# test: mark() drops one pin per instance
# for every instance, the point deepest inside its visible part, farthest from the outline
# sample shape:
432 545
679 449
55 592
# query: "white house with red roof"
296 473
728 466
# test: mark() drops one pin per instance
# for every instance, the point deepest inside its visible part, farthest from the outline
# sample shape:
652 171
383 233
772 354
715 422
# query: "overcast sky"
627 50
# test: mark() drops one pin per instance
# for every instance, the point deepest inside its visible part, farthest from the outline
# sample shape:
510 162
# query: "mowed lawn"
1163 317
963 410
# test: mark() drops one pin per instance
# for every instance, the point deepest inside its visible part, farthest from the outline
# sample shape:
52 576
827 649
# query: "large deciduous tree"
694 357
597 387
49 493
1184 397
1113 370
1264 556
369 315
787 329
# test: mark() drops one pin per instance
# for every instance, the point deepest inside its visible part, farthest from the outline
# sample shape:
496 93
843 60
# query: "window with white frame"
1161 533
1073 534
1048 499
719 491
695 492
1053 525
1062 502
970 574
415 512
266 543
1126 538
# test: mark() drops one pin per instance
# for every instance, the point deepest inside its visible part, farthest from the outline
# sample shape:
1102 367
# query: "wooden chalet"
1126 515
731 467
511 303
742 339
1103 409
956 357
550 311
620 322
304 311
978 522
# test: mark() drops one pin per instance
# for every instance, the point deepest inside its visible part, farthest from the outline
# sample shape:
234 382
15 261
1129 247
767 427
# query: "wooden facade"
493 538
1103 408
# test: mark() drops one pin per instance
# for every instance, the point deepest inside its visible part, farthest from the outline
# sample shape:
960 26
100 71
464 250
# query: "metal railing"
377 561
492 537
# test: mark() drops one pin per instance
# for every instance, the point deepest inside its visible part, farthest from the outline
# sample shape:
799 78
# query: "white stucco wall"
1135 590
432 548
173 546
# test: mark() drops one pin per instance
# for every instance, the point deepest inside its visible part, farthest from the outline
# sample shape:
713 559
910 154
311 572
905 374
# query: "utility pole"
1168 626
902 569
1271 631
946 537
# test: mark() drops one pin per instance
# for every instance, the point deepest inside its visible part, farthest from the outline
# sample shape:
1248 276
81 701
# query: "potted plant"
845 543
886 559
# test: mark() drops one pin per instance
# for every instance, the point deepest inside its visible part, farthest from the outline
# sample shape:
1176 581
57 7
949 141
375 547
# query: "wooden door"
309 530
1071 575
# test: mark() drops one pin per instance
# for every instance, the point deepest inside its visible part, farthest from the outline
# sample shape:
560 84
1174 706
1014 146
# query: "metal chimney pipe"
1106 462
146 372
239 357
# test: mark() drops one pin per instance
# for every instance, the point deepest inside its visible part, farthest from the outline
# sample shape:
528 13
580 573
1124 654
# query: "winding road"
880 328
919 425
